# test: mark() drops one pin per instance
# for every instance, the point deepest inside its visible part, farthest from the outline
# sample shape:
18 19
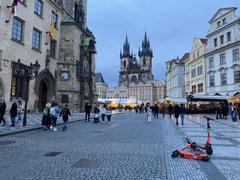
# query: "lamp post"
27 73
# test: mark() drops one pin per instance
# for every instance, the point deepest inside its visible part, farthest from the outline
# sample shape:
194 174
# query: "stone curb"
40 127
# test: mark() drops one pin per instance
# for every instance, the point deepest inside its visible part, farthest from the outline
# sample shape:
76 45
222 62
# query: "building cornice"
222 48
224 28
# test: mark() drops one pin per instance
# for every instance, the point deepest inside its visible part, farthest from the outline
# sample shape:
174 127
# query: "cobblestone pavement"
34 122
128 148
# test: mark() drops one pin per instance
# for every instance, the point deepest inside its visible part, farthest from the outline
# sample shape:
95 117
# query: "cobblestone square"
128 148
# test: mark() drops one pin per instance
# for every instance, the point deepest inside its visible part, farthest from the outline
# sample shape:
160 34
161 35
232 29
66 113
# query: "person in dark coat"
182 113
87 112
170 111
13 114
65 113
177 111
156 111
218 112
2 112
46 118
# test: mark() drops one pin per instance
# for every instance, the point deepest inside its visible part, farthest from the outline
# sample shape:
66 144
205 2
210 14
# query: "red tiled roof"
203 40
185 57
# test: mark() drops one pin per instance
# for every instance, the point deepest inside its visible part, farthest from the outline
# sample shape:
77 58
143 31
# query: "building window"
199 70
17 29
211 62
222 39
222 59
215 42
194 89
144 62
36 39
211 81
223 79
236 55
197 54
53 45
218 24
38 7
65 98
18 85
124 64
193 73
200 87
54 18
194 56
229 36
236 76
224 21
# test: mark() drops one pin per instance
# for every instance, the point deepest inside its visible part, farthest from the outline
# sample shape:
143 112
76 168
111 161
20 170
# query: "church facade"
136 74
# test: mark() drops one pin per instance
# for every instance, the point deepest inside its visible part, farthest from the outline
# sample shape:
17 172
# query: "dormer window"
218 24
224 21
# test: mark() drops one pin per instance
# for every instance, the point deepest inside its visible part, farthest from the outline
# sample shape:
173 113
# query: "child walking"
109 114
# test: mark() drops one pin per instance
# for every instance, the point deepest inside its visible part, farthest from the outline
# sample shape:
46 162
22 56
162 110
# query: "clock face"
64 76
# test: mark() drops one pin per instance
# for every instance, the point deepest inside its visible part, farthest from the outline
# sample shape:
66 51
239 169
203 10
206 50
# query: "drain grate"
85 163
7 142
53 154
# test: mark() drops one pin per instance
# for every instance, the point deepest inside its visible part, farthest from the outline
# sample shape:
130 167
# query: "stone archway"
44 88
1 89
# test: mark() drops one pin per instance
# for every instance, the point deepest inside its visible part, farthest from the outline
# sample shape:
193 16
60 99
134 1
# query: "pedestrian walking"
177 112
109 115
87 112
13 114
103 112
156 111
46 118
19 112
218 112
170 110
182 113
2 111
163 110
148 111
65 113
96 114
54 111
234 116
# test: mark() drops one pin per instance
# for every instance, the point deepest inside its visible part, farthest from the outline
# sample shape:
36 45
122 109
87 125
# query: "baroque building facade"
195 68
101 86
222 53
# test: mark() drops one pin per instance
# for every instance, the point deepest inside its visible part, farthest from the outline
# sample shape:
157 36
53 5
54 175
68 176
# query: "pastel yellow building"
196 68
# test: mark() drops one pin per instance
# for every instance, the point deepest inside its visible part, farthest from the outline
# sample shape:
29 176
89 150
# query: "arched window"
124 64
144 62
134 79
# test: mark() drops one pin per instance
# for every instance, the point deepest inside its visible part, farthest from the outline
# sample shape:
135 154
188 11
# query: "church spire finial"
126 47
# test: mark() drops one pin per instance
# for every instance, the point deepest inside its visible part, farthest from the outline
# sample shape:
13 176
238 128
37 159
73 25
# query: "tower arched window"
124 64
144 62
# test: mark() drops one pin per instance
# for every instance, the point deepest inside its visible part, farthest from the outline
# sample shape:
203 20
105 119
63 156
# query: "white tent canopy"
121 101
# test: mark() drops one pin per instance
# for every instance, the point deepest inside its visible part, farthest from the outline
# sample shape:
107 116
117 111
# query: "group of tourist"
50 116
16 111
103 112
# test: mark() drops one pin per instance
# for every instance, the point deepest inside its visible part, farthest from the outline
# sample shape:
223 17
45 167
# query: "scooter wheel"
205 158
175 154
209 149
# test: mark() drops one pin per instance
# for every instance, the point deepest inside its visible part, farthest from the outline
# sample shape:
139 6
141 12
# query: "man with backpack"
65 113
54 111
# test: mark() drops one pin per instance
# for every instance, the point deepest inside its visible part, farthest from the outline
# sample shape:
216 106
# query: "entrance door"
43 94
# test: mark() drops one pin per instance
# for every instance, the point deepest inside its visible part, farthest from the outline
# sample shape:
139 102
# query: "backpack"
64 112
52 111
45 112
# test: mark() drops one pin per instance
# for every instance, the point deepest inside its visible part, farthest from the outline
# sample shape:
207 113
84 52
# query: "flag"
52 33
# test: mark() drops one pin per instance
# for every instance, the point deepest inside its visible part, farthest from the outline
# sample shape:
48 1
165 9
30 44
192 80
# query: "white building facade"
222 57
117 92
175 77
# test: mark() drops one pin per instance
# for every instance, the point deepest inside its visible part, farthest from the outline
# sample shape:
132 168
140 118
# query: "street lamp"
27 73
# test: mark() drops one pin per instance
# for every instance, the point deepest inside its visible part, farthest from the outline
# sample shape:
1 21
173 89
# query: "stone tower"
133 70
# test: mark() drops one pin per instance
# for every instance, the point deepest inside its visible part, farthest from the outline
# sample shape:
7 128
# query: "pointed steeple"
146 48
126 47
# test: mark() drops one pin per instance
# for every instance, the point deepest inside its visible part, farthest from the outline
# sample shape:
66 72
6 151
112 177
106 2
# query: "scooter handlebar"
208 118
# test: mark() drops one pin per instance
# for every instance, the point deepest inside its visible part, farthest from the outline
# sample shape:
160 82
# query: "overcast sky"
171 26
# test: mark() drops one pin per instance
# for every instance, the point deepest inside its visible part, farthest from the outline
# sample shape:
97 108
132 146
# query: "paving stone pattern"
128 148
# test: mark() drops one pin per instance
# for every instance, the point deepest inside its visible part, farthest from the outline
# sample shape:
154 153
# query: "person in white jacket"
103 112
148 109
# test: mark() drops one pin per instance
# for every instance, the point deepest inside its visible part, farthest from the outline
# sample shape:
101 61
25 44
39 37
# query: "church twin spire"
145 51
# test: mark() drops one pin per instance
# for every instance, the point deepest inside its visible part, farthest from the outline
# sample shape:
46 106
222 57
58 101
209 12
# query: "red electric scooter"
195 151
